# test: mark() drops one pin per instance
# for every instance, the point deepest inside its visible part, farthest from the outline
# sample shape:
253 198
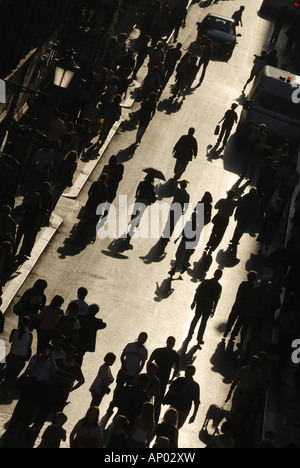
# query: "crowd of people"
44 377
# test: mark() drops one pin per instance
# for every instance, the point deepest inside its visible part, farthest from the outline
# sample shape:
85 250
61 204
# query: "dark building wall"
26 23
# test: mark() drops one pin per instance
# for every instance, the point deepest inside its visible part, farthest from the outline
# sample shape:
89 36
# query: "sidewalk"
282 409
83 173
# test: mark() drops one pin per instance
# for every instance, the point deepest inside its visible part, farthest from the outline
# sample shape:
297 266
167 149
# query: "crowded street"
130 280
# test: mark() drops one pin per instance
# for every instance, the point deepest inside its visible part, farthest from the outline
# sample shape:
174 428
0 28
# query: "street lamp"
65 69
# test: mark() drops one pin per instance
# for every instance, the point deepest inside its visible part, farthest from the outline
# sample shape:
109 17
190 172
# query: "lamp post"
65 70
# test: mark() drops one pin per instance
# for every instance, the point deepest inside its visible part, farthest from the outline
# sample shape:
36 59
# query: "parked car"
273 101
222 31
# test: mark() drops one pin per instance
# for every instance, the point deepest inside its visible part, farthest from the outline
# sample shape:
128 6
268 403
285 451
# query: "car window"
221 25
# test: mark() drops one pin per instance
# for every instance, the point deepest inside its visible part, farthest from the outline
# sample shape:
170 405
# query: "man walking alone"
206 300
184 150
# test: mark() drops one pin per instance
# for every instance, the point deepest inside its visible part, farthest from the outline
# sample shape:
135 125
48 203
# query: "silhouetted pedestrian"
67 379
225 207
133 359
140 434
20 340
280 20
118 437
270 224
152 82
41 166
144 197
245 214
207 54
167 360
87 432
65 174
46 322
183 393
229 119
173 54
168 427
258 64
111 114
178 17
47 205
36 399
54 434
190 236
114 171
98 194
32 301
149 19
103 380
130 400
246 384
178 207
89 326
29 227
241 300
142 53
206 299
237 16
146 113
184 151
68 325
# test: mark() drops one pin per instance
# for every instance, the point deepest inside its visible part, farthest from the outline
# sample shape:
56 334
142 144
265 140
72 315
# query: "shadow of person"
205 3
201 268
227 258
77 241
213 152
166 190
241 99
127 153
156 254
91 152
186 357
120 245
170 105
131 123
224 363
165 290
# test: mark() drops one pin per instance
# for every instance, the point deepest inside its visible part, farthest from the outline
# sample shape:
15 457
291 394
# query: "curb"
89 167
23 272
48 233
273 397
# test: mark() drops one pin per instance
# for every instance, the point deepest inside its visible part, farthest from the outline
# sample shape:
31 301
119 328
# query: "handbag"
217 130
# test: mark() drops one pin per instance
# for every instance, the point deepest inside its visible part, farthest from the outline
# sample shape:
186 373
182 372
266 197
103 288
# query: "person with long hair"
104 379
20 340
141 433
168 427
87 432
